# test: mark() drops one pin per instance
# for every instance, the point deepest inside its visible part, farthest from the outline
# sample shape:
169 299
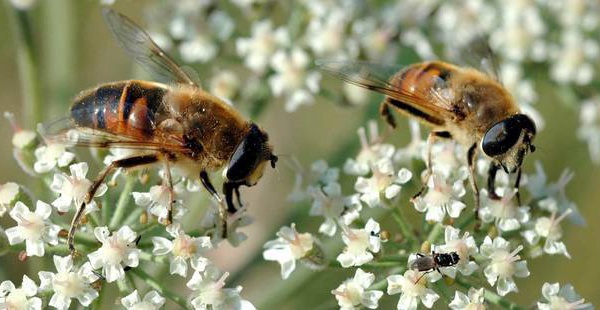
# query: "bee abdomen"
127 107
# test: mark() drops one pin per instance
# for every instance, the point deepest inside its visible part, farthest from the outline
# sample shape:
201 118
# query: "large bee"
460 103
176 124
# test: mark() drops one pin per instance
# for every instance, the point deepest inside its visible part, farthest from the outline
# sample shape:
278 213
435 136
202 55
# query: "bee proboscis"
176 123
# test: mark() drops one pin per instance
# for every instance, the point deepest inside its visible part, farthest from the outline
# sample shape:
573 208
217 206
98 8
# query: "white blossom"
183 248
464 246
503 264
35 228
504 212
259 48
440 199
19 298
329 203
573 61
117 251
354 292
556 297
50 156
69 282
383 181
326 35
320 174
287 248
210 291
235 221
225 84
474 301
360 244
157 200
200 48
372 150
549 229
293 79
8 194
74 188
151 301
412 289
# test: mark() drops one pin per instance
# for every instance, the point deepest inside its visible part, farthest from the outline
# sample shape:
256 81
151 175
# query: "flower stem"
151 281
492 297
405 228
435 233
117 217
28 65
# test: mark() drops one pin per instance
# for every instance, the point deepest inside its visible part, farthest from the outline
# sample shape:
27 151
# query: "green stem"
122 203
151 282
405 228
27 64
435 233
153 258
134 217
492 297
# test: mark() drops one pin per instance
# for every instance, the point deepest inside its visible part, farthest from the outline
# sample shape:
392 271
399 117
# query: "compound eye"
246 156
501 137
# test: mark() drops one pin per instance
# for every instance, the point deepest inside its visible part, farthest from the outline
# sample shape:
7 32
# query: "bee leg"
222 210
169 182
494 167
517 183
386 113
434 135
121 163
471 156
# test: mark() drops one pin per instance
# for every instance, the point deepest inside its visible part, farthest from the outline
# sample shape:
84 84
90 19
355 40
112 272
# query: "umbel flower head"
287 248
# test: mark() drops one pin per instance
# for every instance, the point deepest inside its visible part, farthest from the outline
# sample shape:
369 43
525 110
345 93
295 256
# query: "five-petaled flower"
353 292
287 248
19 298
34 228
69 282
412 288
503 264
74 188
117 250
151 301
360 244
183 247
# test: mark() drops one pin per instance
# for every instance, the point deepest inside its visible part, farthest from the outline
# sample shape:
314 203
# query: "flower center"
31 226
67 284
184 246
17 299
112 251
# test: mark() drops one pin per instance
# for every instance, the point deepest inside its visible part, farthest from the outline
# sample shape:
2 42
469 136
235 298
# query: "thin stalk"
28 65
122 203
435 233
151 281
405 227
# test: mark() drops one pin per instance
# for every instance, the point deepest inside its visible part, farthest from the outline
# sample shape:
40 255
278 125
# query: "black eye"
246 156
501 137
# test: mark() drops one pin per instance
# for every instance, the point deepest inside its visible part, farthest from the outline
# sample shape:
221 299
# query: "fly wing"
377 77
138 44
478 54
64 131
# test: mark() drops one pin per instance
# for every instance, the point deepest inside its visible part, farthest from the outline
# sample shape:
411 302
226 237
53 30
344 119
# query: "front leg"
168 181
386 113
471 156
517 183
431 138
222 209
494 167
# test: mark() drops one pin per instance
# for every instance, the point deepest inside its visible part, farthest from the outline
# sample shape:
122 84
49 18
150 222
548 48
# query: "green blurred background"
76 52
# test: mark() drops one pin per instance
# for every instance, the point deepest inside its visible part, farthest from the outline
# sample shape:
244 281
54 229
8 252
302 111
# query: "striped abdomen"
127 107
420 79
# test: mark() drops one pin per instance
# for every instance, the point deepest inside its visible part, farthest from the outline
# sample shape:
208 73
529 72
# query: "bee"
428 263
176 123
460 103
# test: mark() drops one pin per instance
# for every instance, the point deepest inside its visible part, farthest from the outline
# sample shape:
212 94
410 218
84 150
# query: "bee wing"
377 77
478 54
138 44
64 131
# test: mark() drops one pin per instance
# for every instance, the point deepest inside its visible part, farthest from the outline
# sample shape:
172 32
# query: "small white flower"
589 130
504 212
474 301
117 250
74 188
574 60
183 247
157 200
234 221
329 203
293 79
287 248
23 4
360 244
441 199
548 228
68 283
320 174
152 301
211 293
448 161
464 246
503 264
23 139
556 297
201 48
225 84
8 194
259 48
19 298
50 156
382 181
372 151
412 288
415 149
34 228
326 36
353 292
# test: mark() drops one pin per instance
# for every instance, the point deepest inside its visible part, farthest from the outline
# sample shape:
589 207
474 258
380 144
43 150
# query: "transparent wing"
380 78
64 131
138 44
478 54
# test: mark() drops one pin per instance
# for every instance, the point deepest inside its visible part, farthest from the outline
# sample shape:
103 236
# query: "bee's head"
509 140
248 161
